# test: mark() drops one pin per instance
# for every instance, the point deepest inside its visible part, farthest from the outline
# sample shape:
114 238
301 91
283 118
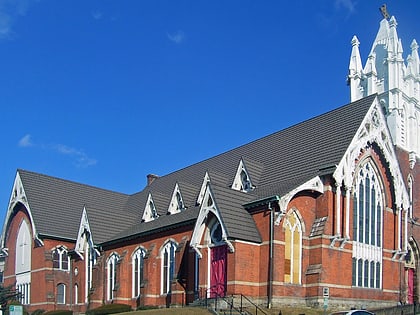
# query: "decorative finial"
384 12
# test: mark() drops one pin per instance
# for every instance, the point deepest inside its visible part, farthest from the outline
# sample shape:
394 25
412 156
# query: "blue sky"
106 92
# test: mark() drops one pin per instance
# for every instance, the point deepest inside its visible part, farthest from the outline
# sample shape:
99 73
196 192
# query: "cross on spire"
384 12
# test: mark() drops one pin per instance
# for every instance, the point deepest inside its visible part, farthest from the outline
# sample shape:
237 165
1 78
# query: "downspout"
270 259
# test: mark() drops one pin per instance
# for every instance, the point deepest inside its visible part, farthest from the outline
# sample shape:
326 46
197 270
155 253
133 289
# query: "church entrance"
410 286
218 267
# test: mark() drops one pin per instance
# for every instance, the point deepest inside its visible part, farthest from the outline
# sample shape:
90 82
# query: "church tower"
397 82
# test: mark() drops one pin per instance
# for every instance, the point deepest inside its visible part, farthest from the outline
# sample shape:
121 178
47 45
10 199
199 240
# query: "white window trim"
363 250
61 250
63 302
298 226
167 249
140 254
111 274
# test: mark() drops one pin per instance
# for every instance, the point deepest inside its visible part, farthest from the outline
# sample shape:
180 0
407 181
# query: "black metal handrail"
257 308
230 301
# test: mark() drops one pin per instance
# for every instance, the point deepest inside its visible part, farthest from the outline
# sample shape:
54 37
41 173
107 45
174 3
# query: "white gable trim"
19 196
149 214
373 129
174 204
314 184
203 188
84 229
238 183
200 224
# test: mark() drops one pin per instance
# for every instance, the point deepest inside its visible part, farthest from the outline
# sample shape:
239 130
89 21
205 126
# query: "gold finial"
384 12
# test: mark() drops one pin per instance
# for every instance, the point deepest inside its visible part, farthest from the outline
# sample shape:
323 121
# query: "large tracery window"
367 229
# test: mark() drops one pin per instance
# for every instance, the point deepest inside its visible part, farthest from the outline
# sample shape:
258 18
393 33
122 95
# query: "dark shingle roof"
164 222
277 164
56 205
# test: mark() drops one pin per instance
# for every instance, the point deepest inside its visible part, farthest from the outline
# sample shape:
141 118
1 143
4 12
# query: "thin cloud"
348 5
80 158
97 15
177 37
10 10
25 141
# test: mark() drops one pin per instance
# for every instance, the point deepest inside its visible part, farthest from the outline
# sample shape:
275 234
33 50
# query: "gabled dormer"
150 212
177 202
84 240
206 180
209 228
242 181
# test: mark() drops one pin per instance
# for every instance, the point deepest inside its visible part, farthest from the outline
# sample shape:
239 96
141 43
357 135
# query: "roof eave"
261 202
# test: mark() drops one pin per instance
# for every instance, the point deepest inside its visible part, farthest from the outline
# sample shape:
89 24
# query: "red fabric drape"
410 289
218 271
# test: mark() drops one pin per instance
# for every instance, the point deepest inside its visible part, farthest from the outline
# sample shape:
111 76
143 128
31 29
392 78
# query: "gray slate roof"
57 205
277 164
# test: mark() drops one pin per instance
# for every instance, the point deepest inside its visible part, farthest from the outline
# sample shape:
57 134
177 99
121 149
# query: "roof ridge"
365 99
20 170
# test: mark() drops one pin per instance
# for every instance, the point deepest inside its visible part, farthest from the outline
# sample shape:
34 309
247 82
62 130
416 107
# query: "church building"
327 205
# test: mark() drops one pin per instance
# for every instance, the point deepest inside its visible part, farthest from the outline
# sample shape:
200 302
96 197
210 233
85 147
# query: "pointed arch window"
367 228
293 249
61 259
91 258
23 262
410 195
138 268
76 294
168 266
112 275
216 233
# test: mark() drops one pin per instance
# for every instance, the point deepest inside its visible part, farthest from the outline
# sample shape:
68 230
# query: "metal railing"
246 305
257 308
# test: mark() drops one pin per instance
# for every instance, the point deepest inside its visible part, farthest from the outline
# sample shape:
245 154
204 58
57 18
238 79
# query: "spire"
371 75
396 81
413 61
355 66
392 42
355 71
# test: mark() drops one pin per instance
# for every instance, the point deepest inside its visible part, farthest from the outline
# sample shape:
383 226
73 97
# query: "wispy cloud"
177 37
80 158
348 5
10 10
97 15
25 141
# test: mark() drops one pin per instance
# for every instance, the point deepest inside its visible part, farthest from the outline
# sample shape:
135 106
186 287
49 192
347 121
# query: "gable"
373 129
